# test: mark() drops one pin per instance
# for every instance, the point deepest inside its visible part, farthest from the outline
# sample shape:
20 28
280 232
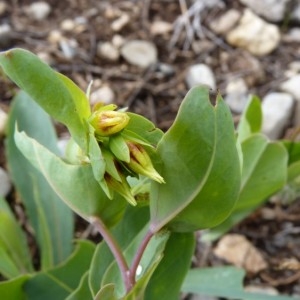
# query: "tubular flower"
122 187
141 163
108 122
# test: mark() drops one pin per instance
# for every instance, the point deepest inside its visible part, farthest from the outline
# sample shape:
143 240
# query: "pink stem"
116 251
138 256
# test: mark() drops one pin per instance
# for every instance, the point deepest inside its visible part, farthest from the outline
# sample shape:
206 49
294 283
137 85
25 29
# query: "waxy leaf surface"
200 165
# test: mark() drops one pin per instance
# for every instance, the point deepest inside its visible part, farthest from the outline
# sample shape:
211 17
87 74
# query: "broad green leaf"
15 256
225 282
75 184
264 171
82 291
55 93
131 224
200 167
59 282
144 128
13 289
46 212
251 120
175 263
106 293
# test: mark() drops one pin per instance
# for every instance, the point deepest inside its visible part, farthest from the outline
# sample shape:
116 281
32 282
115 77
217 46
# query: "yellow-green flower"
108 122
141 163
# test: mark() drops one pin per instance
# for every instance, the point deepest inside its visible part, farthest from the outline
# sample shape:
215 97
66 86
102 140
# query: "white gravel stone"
277 111
38 10
291 86
3 7
55 36
68 25
118 41
120 23
292 36
108 51
5 183
237 95
3 120
200 74
139 53
103 94
254 34
226 21
160 27
271 10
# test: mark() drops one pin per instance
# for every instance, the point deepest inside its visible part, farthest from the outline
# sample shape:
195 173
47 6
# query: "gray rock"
292 36
108 51
5 183
271 10
254 34
225 22
296 13
139 53
200 297
237 95
3 120
277 111
200 74
38 10
103 94
291 86
120 23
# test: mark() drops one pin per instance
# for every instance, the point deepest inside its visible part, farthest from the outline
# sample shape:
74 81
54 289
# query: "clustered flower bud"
109 125
108 122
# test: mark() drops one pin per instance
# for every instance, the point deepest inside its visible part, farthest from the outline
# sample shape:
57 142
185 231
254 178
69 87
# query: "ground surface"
157 94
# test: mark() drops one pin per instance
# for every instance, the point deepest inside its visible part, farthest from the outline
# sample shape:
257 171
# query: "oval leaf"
54 92
200 167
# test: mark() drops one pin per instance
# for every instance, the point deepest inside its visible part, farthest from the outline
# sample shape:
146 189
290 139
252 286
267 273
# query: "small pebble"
226 21
117 41
68 25
277 111
5 183
69 47
237 95
200 74
55 36
120 23
3 120
160 27
103 94
108 51
254 34
38 10
45 57
5 34
139 53
3 7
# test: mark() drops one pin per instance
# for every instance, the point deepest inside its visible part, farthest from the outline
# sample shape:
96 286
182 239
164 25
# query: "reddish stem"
116 251
138 256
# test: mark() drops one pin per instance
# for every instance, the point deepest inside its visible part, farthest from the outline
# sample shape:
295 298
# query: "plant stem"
138 256
115 249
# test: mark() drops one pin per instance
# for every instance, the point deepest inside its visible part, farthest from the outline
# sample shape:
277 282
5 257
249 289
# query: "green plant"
145 191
